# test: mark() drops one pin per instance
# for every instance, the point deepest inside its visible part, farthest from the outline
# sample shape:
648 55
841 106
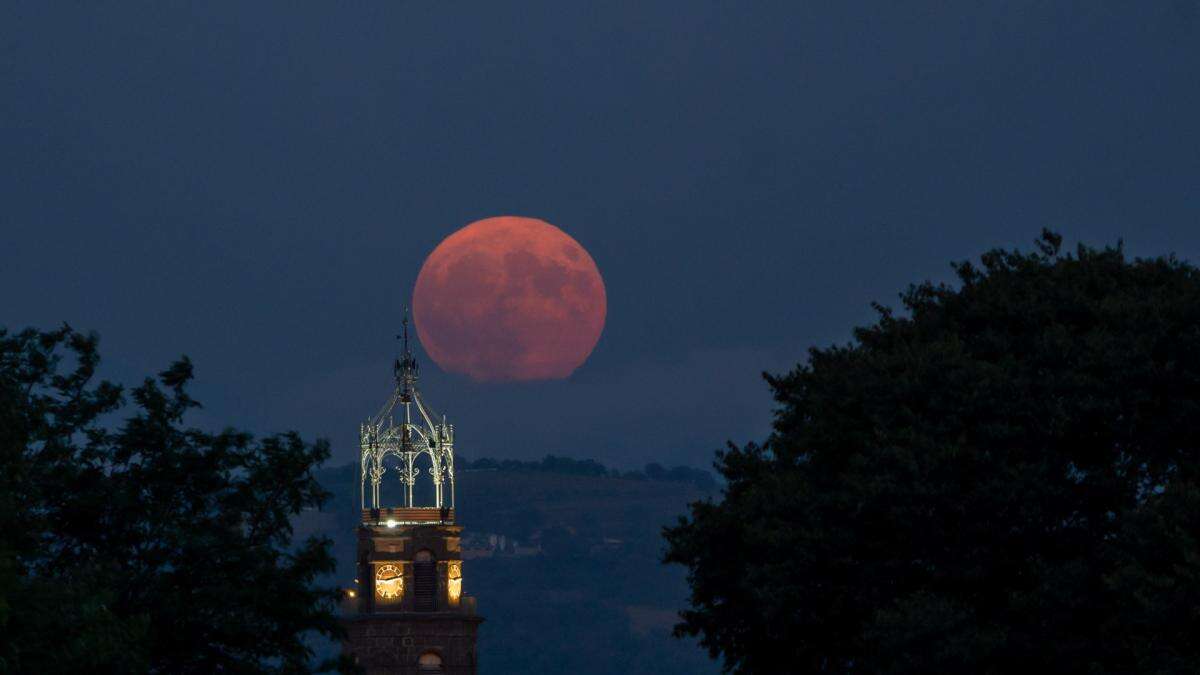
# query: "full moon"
509 298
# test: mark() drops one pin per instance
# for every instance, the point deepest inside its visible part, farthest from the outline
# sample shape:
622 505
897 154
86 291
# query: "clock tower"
409 614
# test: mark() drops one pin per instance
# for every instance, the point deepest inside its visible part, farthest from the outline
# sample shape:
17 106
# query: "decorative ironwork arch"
406 439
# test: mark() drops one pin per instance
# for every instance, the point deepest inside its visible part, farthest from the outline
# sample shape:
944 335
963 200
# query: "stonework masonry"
410 615
393 645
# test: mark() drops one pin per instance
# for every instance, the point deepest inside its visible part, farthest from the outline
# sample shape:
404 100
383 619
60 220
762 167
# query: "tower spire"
406 427
406 366
404 322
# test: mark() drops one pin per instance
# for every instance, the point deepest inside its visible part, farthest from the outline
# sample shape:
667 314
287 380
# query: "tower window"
429 662
424 582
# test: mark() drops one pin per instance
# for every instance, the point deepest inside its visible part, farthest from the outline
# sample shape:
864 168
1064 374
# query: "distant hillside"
565 566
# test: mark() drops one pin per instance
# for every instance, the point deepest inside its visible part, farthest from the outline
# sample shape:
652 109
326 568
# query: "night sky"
257 185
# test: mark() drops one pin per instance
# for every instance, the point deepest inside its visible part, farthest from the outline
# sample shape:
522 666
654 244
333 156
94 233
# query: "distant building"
526 551
494 545
409 615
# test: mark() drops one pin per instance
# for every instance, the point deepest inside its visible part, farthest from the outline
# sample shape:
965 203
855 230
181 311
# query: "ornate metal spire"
405 368
406 440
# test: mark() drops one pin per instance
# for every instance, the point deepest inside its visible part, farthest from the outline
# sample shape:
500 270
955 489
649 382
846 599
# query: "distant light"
391 523
351 593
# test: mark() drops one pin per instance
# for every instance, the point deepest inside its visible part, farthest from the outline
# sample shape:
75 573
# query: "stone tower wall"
388 635
391 645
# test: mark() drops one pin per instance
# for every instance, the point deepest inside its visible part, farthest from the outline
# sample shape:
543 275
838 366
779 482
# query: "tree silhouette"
1004 478
144 545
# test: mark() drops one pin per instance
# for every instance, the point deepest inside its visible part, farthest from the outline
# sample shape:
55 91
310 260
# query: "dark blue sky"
256 185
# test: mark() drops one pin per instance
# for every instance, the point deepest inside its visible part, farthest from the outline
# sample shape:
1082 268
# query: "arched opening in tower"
391 489
423 490
430 662
424 582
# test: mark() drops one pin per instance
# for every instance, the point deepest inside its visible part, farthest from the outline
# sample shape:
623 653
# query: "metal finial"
406 365
405 323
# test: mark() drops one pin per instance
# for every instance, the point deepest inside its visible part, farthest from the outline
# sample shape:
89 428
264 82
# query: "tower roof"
396 432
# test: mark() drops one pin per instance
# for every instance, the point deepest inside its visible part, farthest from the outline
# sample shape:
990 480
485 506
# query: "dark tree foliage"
1007 479
142 545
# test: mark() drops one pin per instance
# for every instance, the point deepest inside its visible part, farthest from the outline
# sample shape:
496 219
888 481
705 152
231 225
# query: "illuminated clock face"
454 581
389 581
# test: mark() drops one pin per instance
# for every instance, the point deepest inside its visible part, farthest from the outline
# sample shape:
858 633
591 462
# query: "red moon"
509 298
